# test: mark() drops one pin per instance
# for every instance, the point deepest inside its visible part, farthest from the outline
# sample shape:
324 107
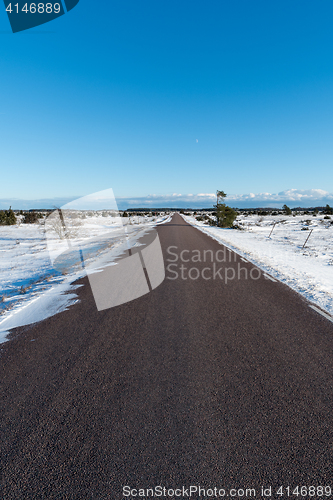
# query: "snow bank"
39 307
32 288
309 271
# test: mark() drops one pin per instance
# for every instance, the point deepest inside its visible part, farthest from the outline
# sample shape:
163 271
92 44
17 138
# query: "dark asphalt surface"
198 382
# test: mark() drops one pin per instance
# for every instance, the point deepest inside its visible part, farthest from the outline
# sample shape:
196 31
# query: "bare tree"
65 223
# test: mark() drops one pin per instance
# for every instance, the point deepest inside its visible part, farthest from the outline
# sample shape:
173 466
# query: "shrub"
7 217
31 217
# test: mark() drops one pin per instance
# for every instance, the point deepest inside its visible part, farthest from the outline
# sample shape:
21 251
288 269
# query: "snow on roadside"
31 288
41 306
308 271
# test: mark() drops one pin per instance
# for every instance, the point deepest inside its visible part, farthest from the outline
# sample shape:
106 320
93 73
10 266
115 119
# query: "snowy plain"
34 285
308 270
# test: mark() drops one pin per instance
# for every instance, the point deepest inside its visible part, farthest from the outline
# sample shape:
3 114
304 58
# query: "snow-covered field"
307 270
34 286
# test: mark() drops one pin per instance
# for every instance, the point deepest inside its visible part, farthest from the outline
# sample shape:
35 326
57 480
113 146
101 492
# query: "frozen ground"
307 270
34 286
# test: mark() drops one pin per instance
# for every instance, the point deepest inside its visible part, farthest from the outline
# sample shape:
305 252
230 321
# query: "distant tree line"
8 217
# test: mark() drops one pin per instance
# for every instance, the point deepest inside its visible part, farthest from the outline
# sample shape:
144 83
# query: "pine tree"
2 218
7 217
225 215
287 210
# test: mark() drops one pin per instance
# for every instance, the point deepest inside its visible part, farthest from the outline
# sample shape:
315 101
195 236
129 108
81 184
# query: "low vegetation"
7 217
31 217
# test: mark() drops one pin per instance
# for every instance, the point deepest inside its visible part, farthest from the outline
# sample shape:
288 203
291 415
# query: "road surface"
200 382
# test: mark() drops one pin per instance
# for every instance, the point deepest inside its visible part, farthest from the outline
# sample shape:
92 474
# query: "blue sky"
164 99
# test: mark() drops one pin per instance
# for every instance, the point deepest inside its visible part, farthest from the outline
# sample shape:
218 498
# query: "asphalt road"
199 382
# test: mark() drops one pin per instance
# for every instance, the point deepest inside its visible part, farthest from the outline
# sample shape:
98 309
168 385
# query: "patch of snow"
307 270
56 299
35 285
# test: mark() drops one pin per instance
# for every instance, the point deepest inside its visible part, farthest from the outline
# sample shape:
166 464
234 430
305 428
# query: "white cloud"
292 197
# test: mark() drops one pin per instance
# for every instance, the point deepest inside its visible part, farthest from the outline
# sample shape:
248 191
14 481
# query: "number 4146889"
34 8
305 491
